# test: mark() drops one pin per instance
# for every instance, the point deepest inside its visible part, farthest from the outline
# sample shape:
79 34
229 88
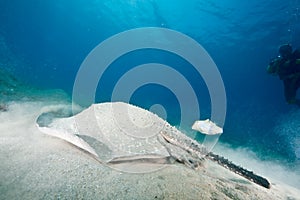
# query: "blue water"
43 43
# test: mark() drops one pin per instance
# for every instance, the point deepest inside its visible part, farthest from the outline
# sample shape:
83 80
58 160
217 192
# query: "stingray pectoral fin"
196 126
71 138
147 158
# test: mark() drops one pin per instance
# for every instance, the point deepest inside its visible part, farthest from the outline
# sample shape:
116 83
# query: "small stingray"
207 127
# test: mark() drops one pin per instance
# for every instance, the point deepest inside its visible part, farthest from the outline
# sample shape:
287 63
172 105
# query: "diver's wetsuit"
290 90
289 72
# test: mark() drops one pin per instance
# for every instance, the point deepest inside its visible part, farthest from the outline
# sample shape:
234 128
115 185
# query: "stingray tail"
239 170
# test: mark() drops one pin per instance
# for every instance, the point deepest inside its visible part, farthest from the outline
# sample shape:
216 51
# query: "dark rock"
3 108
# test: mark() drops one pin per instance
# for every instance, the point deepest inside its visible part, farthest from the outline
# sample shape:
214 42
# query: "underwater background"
43 43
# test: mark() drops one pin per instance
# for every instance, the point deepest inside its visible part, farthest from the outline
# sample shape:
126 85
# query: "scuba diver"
287 67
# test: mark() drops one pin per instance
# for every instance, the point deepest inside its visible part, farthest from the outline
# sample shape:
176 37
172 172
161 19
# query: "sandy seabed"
38 166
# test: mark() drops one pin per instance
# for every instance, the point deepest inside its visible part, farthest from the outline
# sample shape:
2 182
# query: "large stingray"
125 137
132 139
